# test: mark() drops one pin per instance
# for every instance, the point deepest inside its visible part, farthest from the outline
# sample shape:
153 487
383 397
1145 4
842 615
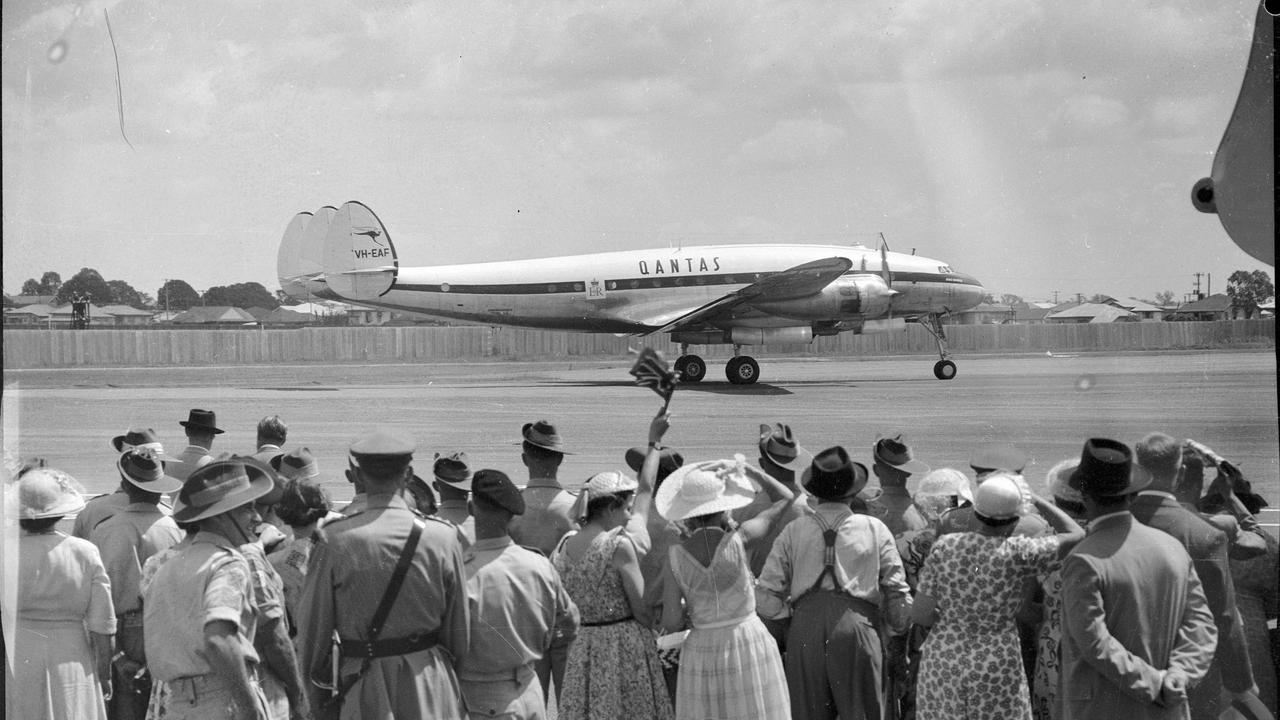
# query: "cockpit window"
945 269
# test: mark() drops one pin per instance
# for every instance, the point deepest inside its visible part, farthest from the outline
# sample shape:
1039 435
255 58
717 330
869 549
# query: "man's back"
125 541
1207 547
1133 608
546 516
97 510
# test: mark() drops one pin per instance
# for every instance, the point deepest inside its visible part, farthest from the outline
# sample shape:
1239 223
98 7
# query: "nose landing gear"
944 369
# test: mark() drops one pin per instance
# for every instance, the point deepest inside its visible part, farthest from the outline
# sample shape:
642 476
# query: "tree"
31 287
50 283
176 296
122 293
1248 289
241 295
1164 298
1010 299
87 283
1101 299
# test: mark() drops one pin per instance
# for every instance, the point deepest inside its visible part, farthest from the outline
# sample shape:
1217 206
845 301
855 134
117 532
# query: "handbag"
326 675
669 649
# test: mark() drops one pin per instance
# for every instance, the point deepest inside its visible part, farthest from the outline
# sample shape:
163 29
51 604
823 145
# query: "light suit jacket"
1133 608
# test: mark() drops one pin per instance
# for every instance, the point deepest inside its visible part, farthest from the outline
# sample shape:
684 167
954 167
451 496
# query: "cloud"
791 142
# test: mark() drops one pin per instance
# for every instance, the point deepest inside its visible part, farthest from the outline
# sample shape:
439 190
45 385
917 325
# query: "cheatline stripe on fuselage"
577 286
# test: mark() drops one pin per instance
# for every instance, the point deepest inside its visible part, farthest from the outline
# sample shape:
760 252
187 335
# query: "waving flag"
651 371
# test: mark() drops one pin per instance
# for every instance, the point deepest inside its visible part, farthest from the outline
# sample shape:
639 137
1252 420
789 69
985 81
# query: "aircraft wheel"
944 369
742 370
692 368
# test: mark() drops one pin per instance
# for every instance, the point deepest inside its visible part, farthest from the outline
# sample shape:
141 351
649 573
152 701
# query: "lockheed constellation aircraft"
714 294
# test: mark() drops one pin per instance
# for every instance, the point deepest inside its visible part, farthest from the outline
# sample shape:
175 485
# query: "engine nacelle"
765 336
848 296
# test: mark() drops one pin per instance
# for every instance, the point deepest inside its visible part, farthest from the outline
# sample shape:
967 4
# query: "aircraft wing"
790 284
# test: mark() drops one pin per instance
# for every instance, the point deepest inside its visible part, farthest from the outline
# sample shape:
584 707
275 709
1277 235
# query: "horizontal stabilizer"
790 284
359 259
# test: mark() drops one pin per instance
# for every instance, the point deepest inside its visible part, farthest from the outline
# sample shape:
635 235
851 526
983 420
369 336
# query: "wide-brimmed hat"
833 476
997 456
297 464
48 493
609 482
1106 470
893 451
779 447
1058 480
495 488
703 488
944 481
142 468
668 459
452 470
222 485
999 498
138 437
543 434
202 420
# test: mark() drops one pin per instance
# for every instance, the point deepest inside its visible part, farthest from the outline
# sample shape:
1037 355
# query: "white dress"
63 594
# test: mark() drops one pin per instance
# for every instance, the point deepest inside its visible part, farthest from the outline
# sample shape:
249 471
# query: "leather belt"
391 646
607 622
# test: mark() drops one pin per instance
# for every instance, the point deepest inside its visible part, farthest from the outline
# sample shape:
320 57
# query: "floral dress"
613 669
971 665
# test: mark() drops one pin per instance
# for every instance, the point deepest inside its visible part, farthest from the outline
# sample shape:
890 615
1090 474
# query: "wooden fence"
122 347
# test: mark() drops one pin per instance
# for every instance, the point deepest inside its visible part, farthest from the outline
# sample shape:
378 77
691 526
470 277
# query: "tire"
692 368
944 370
742 370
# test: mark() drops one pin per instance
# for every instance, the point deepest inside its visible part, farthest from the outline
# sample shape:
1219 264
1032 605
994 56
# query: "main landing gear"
741 370
944 369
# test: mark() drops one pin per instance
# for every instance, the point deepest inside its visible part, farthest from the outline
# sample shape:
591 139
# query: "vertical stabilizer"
287 259
359 259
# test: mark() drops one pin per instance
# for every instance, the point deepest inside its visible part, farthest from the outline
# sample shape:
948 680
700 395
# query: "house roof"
37 309
1214 303
284 315
21 300
216 314
1096 312
124 311
989 308
1141 306
1030 313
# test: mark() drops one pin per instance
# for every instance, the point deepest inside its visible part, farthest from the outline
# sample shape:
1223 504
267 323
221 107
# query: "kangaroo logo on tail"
373 234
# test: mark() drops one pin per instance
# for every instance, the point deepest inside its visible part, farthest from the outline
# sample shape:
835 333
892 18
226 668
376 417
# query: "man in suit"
200 426
1160 458
271 436
1136 628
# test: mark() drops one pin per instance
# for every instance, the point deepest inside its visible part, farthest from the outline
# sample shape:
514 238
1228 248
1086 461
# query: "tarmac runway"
1045 404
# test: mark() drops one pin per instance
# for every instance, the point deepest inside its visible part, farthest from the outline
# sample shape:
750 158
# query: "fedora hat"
1106 470
997 456
668 459
136 437
202 420
893 451
543 434
221 485
779 447
143 469
48 493
703 488
833 476
297 464
452 470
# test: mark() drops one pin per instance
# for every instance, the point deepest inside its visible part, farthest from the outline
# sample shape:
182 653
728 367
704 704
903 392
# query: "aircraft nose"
971 293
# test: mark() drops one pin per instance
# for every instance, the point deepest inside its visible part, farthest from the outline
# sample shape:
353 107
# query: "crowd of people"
219 585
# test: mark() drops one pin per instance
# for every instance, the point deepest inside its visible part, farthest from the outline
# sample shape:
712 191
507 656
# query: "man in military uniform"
405 667
518 607
452 483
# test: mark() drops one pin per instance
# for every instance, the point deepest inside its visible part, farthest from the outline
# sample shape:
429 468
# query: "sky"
1041 147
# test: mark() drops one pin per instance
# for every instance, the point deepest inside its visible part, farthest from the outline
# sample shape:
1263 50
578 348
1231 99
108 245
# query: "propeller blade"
884 266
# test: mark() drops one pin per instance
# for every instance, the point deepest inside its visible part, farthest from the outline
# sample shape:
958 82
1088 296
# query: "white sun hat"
704 488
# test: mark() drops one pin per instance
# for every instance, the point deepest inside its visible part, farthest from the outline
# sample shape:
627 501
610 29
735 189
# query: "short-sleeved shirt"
517 604
546 518
268 587
126 540
206 580
97 510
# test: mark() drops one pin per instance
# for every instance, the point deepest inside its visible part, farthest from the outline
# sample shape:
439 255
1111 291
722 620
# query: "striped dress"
729 664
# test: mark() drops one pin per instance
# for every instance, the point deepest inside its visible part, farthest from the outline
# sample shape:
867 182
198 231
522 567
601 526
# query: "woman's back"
718 590
976 578
591 579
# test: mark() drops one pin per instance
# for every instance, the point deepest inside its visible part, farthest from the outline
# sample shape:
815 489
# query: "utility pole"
1198 295
1055 297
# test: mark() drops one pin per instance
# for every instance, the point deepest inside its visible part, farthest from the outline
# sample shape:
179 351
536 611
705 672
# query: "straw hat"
609 482
48 493
703 488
